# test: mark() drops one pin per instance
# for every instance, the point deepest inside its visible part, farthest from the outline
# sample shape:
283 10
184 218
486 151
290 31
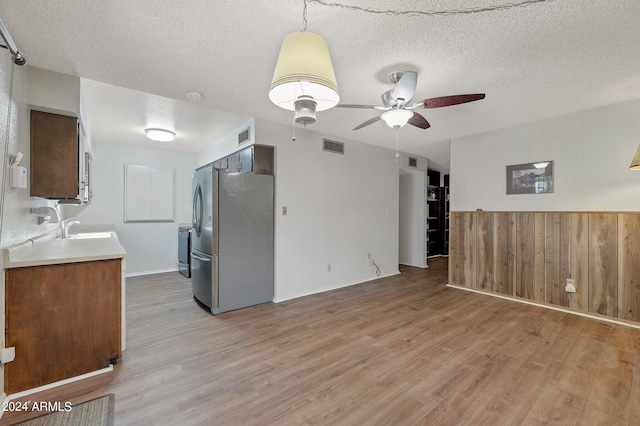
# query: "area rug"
96 412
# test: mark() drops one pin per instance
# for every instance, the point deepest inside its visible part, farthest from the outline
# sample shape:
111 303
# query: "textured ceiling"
533 62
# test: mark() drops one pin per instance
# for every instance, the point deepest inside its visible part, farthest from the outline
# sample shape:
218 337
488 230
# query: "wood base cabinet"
63 320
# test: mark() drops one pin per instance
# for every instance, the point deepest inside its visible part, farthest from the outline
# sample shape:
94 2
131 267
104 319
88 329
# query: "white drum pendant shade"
304 68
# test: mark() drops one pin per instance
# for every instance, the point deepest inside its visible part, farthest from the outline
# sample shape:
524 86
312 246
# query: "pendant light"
304 80
635 164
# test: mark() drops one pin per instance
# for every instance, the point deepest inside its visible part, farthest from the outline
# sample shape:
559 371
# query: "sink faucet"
66 224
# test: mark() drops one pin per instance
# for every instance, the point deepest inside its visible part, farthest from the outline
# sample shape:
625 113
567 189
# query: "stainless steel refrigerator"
232 259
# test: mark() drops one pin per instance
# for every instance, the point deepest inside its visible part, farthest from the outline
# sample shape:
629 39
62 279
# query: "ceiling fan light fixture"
304 68
160 135
397 118
635 164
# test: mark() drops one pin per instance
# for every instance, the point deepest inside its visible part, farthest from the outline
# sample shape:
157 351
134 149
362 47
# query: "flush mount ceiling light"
194 96
635 164
397 118
160 135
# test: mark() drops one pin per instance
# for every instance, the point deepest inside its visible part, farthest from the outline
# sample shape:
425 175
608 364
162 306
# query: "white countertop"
48 249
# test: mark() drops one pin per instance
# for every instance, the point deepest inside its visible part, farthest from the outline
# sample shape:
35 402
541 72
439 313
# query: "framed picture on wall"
530 178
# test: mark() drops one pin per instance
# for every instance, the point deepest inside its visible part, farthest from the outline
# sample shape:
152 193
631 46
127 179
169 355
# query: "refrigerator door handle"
197 208
202 259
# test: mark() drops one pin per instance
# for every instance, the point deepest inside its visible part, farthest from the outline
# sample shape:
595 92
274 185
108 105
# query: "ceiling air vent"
413 162
333 146
244 136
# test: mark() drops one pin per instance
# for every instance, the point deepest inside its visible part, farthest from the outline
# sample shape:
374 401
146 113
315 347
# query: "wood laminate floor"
402 350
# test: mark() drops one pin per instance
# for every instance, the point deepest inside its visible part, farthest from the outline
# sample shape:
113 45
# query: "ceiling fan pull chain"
293 127
397 154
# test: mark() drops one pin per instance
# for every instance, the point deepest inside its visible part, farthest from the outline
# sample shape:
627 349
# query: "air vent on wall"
413 162
333 146
244 136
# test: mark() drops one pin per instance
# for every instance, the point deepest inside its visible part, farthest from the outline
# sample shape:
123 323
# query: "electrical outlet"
284 210
371 262
571 286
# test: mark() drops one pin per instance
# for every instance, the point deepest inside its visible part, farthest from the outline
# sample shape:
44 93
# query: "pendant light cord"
5 156
304 15
442 12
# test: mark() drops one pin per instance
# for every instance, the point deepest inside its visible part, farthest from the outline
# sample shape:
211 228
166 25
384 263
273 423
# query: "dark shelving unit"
437 215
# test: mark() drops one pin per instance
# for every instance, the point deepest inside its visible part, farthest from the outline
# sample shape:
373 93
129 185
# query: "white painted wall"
151 246
340 208
53 92
17 223
591 151
412 219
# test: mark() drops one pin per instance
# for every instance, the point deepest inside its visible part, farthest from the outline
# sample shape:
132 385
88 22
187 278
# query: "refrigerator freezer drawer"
204 278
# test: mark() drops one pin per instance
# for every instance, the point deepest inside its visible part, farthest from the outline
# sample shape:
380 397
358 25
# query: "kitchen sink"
90 235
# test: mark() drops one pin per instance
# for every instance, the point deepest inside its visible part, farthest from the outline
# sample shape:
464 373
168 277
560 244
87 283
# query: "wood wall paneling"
512 242
580 261
540 279
603 264
501 257
629 266
565 259
486 251
532 254
552 258
525 254
468 257
454 249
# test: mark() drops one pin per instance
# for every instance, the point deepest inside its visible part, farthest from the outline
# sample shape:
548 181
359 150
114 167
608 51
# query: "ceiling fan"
396 103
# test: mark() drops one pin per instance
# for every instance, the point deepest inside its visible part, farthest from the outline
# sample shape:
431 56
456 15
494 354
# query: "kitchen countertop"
49 249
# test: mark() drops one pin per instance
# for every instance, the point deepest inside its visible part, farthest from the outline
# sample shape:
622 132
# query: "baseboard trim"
414 266
59 383
547 306
159 271
284 299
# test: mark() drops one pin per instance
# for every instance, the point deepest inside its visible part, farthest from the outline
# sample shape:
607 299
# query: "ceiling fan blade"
452 100
419 121
366 123
355 106
406 87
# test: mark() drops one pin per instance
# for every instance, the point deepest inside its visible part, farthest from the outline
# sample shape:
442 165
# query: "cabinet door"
63 320
54 156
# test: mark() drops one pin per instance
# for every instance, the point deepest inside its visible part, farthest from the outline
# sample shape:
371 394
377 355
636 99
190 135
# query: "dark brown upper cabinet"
57 156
